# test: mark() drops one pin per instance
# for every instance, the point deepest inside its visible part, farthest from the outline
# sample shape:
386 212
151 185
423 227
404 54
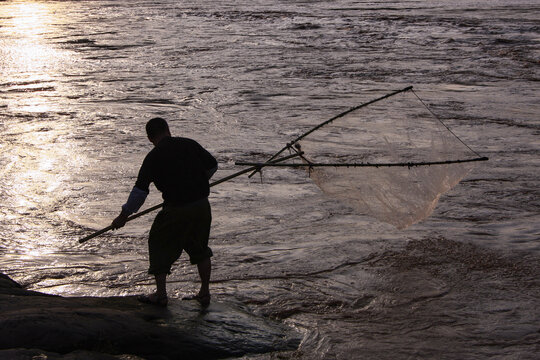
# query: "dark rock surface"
54 327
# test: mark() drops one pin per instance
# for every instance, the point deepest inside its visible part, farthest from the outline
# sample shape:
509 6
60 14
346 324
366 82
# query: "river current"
79 79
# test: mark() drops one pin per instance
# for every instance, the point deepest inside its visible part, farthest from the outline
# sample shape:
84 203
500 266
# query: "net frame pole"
402 164
317 127
222 180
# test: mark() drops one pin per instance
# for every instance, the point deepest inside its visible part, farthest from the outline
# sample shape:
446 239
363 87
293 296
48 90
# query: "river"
80 79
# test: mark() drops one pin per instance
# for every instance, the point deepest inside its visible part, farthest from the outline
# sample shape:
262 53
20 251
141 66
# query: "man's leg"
160 296
161 285
205 269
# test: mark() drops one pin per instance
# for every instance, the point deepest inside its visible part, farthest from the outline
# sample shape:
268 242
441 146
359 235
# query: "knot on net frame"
390 158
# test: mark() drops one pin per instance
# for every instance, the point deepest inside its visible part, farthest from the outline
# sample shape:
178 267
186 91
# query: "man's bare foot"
203 299
153 299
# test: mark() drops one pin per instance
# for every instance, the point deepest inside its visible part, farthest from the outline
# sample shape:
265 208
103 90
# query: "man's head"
157 129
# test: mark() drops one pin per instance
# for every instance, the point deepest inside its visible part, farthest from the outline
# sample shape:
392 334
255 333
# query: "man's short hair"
156 126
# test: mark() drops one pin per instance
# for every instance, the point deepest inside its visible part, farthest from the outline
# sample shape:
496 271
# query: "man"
180 168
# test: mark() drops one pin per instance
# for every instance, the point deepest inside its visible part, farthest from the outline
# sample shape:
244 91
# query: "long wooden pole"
227 178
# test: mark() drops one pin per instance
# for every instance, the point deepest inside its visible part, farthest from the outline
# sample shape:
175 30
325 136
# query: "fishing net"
390 158
415 149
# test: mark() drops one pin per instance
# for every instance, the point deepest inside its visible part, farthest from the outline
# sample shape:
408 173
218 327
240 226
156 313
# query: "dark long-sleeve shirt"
179 168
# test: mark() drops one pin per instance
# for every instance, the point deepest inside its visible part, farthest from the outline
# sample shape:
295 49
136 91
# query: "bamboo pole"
402 164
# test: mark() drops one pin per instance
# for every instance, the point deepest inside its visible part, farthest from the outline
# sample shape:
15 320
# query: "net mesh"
397 130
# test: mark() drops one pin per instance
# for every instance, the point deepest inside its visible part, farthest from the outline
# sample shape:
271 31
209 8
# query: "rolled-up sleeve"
210 172
209 162
144 178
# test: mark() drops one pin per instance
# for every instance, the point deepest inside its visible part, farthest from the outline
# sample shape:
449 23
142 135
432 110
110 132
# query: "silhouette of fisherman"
180 168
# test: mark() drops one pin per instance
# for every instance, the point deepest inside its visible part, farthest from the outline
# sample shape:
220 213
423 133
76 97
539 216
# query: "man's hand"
120 221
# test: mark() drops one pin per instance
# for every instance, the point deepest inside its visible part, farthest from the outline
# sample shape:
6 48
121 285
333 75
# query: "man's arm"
135 201
209 162
137 196
210 172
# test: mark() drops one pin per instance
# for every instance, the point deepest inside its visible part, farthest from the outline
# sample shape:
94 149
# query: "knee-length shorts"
178 228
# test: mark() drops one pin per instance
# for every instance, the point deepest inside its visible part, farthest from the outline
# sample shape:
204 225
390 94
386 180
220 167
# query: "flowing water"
79 79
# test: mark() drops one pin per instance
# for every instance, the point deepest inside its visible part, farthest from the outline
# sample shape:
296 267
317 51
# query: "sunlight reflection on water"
30 63
37 161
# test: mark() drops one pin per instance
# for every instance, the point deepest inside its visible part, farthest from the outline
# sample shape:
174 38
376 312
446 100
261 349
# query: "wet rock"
36 354
122 325
7 282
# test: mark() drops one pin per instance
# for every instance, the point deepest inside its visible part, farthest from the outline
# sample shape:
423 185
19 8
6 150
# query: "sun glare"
32 61
29 56
30 18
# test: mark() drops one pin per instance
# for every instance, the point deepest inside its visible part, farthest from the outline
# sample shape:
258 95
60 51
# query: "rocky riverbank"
54 327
